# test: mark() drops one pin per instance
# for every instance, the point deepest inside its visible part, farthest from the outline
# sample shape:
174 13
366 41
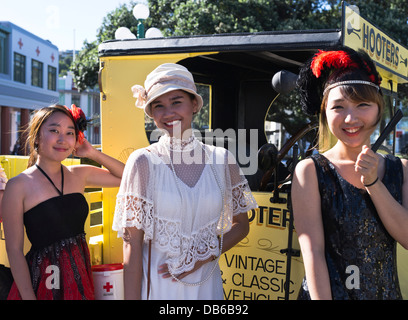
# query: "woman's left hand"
367 165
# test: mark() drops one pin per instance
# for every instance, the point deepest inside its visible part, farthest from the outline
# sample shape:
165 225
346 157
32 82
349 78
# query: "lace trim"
3 179
176 144
183 250
242 198
134 211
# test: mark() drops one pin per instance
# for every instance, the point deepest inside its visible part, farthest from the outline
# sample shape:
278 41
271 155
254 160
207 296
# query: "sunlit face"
173 112
351 122
57 137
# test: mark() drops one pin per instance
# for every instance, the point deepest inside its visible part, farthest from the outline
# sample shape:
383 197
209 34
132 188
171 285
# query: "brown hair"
33 130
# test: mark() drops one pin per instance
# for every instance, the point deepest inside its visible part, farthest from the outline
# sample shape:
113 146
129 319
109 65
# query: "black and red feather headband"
314 75
331 59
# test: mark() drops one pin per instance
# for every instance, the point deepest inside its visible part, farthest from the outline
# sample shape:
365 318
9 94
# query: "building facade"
28 81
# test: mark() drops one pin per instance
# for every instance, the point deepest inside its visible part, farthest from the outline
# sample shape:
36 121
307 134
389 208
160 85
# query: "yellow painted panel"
402 261
255 269
390 56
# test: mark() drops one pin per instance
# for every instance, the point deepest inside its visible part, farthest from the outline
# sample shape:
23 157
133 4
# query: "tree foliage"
85 67
189 17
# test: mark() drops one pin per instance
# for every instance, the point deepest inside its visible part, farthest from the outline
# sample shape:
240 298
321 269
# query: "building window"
3 52
36 73
19 67
76 99
52 78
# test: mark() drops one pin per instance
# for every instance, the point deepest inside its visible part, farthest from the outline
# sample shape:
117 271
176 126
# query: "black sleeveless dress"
59 260
360 253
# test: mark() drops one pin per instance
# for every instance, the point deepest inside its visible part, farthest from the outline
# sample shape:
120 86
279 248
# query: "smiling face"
352 122
173 112
57 137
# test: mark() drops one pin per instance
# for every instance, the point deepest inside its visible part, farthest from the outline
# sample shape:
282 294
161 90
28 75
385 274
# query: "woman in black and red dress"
47 198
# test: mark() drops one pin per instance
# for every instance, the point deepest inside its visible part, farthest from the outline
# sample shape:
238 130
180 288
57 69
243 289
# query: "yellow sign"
389 55
255 269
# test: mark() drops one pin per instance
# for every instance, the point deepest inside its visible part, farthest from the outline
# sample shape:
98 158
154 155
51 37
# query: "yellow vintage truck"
245 113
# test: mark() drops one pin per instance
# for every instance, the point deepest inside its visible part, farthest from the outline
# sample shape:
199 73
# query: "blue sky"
56 20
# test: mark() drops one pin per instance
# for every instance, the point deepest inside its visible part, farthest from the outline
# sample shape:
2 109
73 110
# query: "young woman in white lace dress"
183 201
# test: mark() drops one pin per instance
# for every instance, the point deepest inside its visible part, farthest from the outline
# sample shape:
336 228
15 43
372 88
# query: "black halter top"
57 218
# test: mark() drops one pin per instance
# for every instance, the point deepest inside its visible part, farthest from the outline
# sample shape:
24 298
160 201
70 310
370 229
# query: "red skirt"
61 271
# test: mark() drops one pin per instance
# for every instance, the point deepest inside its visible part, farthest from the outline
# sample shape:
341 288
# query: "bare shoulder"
305 195
305 167
22 180
305 177
18 187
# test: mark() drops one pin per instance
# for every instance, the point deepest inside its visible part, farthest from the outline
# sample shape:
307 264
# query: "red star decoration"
52 57
20 43
38 51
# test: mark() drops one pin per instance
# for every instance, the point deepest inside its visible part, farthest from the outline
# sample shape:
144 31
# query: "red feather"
331 59
76 112
80 121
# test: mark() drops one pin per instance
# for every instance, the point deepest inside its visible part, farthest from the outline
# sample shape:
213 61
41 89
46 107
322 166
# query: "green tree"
64 65
189 17
86 65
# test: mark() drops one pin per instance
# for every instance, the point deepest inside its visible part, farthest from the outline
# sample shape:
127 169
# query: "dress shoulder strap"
321 162
49 179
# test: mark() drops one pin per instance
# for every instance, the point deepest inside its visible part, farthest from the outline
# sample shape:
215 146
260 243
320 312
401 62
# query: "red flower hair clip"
80 121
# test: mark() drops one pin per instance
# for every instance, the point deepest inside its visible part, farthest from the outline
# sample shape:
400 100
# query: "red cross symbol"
107 287
20 43
38 51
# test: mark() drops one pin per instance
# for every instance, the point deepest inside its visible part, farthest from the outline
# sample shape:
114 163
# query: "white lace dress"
178 205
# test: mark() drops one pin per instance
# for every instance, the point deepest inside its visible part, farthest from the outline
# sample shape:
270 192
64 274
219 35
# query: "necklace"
177 144
195 284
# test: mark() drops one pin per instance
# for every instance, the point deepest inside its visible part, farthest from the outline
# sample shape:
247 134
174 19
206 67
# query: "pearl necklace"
195 284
